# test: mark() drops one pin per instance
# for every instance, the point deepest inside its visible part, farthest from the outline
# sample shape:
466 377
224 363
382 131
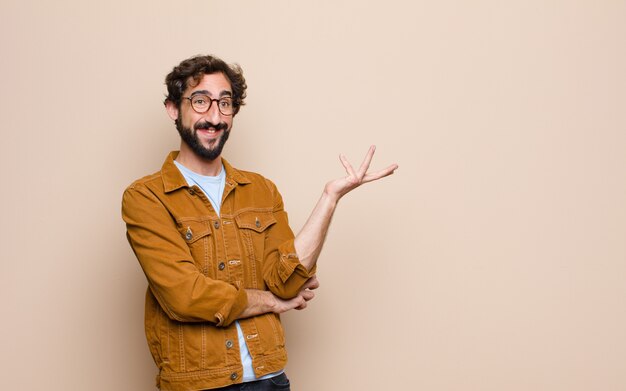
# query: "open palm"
341 186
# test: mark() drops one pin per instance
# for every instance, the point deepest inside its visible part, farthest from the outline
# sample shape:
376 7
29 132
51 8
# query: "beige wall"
495 259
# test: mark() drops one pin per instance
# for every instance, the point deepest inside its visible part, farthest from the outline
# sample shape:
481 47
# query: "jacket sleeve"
183 292
283 273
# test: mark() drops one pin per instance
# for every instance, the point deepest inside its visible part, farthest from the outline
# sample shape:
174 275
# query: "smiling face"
204 133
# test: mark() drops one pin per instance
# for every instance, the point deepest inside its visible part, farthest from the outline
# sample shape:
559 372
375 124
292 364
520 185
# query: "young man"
216 247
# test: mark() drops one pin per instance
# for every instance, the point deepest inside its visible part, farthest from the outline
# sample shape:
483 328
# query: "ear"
172 110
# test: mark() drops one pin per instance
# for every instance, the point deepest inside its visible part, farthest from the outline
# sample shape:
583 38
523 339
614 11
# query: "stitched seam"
198 219
203 330
210 259
246 209
272 322
251 254
169 351
205 267
159 327
181 346
202 374
226 256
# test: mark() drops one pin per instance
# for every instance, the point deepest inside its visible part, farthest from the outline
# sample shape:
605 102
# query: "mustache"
207 125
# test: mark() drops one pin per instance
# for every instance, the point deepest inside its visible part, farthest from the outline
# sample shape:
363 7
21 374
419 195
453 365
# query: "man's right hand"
300 301
262 302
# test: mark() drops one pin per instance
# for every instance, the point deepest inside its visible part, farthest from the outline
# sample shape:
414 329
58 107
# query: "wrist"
271 304
330 197
260 301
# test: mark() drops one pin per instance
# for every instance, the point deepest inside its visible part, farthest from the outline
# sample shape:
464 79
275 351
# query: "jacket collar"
173 179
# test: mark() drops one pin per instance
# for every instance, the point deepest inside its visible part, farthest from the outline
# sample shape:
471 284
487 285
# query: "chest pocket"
252 228
197 235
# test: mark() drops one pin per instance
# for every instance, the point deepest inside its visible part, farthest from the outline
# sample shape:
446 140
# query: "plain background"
494 259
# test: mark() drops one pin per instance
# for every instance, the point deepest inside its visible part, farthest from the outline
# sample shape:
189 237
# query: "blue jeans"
276 383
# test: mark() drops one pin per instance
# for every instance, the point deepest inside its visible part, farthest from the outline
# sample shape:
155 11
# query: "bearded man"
215 245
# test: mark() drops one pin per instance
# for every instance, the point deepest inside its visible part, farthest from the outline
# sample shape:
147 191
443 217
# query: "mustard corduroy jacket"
198 265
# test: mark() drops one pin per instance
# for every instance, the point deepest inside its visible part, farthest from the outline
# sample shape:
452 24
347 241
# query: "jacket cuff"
289 263
231 311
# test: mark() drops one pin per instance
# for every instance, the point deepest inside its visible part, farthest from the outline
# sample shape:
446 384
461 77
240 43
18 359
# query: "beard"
190 137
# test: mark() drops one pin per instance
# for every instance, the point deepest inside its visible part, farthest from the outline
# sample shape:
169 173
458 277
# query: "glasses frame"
211 104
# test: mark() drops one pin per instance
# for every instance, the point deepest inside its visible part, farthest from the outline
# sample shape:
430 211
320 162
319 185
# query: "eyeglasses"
202 103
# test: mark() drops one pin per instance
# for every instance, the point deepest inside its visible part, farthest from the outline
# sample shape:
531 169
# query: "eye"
199 100
225 103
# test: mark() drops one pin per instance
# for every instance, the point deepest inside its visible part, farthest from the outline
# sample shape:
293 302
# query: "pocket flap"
255 220
192 230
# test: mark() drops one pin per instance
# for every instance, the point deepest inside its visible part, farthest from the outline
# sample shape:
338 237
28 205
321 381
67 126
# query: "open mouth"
210 132
208 128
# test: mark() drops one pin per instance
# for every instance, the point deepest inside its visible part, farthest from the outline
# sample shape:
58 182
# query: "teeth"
209 130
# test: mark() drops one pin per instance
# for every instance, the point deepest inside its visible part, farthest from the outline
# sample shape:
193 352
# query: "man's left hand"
341 186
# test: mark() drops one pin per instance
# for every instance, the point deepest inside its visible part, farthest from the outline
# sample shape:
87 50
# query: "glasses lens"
200 103
226 106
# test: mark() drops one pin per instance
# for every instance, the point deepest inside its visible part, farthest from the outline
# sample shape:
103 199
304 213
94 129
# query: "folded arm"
184 293
261 302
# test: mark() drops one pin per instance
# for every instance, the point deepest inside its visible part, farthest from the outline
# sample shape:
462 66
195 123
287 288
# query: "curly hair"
194 68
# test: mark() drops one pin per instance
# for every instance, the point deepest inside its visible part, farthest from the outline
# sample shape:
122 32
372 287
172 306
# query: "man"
216 247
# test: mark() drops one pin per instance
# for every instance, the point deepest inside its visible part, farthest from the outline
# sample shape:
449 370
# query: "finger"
380 174
298 301
347 165
366 162
312 283
308 283
307 295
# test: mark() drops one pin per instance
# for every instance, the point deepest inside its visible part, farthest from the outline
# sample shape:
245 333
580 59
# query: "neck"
198 164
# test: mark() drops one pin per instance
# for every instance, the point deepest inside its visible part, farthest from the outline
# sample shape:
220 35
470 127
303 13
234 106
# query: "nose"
213 115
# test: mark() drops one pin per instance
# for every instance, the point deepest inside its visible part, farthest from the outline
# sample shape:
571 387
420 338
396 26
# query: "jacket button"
188 234
192 191
257 223
229 344
221 266
233 376
216 224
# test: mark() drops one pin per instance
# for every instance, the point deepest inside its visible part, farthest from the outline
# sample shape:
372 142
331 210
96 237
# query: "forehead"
214 84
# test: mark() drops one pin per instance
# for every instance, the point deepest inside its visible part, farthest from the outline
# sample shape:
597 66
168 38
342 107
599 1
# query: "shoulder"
257 178
152 182
260 183
250 179
167 179
256 188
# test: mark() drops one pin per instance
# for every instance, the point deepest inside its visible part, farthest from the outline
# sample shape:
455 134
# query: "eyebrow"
205 92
